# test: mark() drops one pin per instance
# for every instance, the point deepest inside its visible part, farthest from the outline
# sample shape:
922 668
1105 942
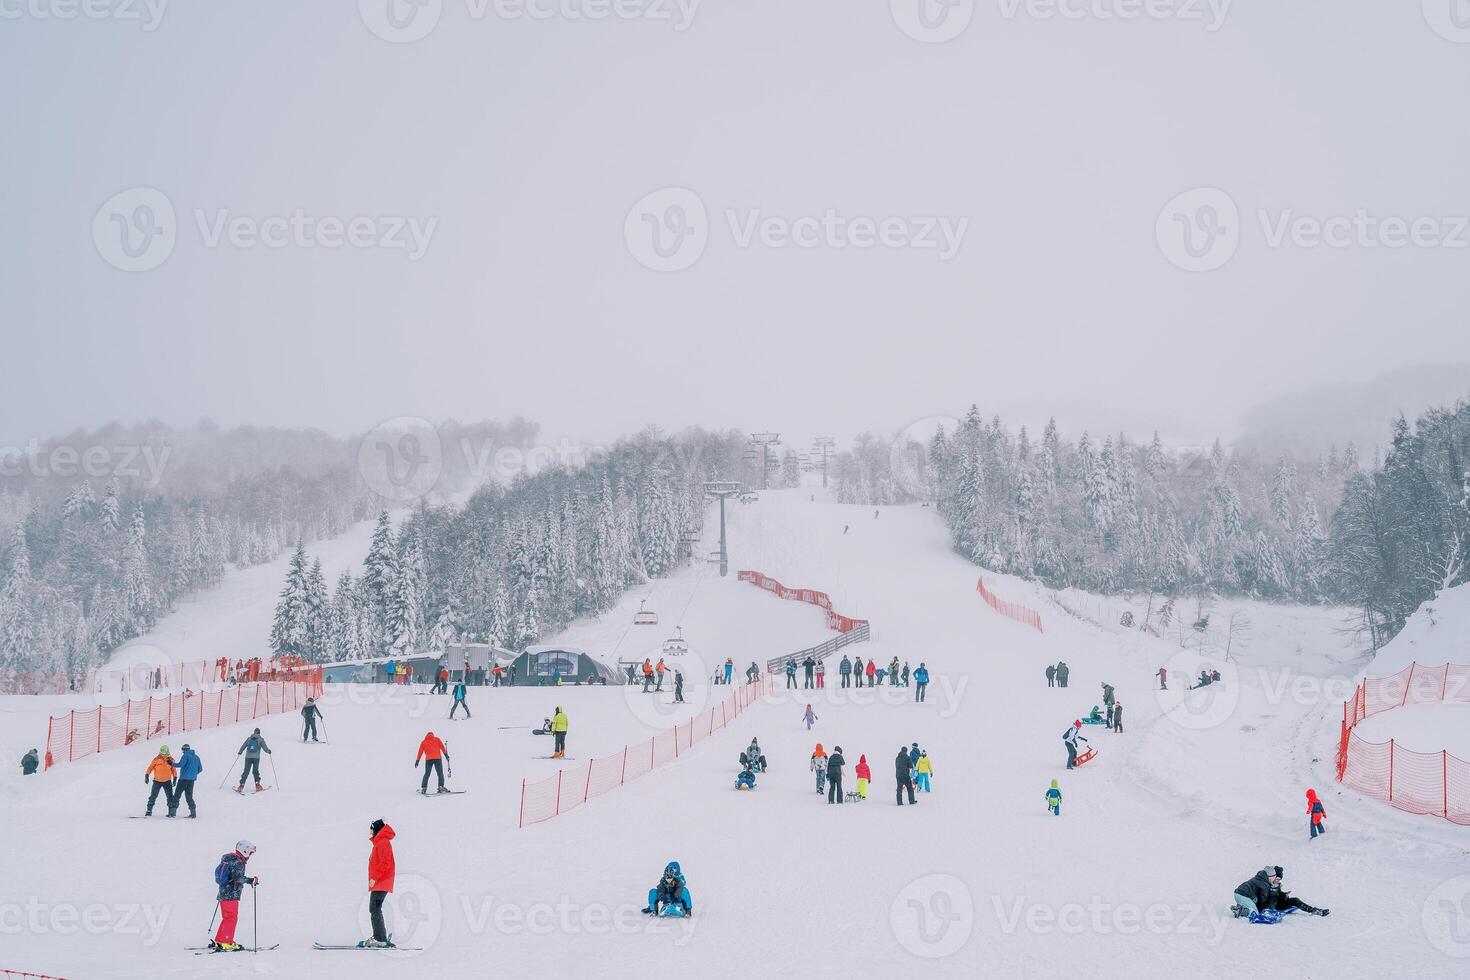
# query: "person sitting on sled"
1264 893
745 779
752 756
670 891
1095 717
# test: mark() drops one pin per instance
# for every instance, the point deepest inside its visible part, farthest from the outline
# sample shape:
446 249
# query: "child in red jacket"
1316 814
864 774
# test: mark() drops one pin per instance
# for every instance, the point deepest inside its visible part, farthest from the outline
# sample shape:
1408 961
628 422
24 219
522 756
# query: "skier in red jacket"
380 882
433 750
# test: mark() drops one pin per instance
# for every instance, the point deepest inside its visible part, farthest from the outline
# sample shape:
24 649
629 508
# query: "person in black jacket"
1264 893
309 714
1063 671
30 762
903 769
1051 674
808 665
835 762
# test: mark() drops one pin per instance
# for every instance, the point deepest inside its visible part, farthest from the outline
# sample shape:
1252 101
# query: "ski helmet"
163 750
244 848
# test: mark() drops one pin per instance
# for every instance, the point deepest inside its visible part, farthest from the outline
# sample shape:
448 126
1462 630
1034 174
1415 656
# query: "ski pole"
227 774
273 772
210 928
324 729
255 915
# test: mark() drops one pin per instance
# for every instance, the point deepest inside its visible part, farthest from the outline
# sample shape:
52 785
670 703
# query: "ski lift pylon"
645 617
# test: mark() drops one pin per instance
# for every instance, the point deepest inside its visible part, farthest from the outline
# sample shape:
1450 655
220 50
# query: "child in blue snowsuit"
1054 799
669 891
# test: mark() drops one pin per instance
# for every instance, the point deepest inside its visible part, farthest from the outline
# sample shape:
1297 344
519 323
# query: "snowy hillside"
1134 878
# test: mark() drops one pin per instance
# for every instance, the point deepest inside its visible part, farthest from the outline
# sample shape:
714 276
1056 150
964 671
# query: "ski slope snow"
1133 878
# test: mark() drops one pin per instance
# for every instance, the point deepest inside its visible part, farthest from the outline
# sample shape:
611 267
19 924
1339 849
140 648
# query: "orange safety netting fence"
835 620
1016 611
569 789
79 734
198 673
33 976
1418 782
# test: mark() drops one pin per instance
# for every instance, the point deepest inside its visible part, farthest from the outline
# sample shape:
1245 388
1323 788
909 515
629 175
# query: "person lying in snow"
670 890
1264 893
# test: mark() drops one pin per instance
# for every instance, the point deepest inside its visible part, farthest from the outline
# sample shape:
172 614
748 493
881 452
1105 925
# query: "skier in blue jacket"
670 890
189 769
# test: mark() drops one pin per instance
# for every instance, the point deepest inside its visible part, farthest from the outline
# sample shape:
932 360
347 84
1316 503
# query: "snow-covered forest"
515 561
1111 515
86 566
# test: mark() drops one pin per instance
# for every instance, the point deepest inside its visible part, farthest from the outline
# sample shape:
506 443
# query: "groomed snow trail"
1132 880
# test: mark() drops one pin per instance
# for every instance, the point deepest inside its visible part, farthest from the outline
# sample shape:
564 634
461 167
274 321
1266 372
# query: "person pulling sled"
671 895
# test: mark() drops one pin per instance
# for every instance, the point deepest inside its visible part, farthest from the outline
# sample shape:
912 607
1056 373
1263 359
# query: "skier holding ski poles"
161 773
432 749
309 714
229 875
251 749
459 701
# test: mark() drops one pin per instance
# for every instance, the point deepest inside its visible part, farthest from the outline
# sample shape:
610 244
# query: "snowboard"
205 950
375 949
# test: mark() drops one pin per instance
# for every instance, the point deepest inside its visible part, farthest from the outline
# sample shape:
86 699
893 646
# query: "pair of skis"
208 950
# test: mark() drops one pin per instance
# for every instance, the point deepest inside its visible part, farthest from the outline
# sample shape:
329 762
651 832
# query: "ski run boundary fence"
78 734
1434 783
569 789
1016 611
835 620
33 976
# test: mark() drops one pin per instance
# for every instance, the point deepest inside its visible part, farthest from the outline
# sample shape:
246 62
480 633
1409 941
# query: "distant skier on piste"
230 877
435 752
309 714
459 701
190 767
559 725
381 870
251 749
1262 898
161 773
671 895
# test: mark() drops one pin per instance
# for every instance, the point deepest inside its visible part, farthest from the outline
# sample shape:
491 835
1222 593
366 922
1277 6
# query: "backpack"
1067 735
222 872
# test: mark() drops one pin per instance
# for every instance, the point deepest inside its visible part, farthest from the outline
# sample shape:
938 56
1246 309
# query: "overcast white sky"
527 142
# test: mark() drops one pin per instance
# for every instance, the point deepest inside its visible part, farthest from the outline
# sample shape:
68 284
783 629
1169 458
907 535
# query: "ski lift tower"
723 489
765 440
824 445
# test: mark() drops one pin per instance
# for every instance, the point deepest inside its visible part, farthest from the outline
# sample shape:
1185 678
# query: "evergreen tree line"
1111 515
1403 530
514 562
87 565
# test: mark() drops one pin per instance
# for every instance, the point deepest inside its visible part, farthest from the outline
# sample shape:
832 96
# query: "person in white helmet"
230 876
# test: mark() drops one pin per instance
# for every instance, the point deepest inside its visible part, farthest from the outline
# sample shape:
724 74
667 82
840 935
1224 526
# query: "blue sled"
1270 917
672 910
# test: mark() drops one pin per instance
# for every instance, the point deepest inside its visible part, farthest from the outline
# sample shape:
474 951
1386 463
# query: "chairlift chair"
676 645
645 617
